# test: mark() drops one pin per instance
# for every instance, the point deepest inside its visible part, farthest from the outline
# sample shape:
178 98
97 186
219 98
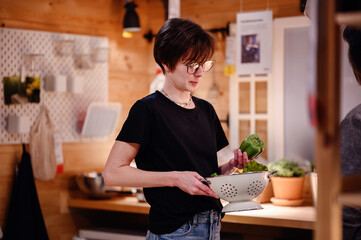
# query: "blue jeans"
203 226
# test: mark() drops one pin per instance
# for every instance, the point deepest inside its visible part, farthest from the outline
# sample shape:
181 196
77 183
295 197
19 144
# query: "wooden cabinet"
334 191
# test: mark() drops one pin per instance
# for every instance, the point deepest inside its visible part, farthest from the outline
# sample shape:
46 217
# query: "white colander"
240 189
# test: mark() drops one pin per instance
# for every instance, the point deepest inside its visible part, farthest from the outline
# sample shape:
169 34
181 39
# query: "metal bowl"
240 189
92 184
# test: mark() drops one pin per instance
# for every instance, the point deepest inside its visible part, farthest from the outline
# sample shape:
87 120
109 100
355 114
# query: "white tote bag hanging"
42 148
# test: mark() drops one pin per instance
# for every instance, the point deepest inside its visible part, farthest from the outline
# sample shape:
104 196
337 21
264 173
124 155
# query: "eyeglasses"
206 66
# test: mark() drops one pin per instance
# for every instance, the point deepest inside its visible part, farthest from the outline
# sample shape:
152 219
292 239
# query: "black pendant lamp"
131 19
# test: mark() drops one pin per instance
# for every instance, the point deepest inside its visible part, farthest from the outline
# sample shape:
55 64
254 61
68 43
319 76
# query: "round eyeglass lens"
192 68
208 65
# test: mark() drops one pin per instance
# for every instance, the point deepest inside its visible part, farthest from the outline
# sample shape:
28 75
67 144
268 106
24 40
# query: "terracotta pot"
289 188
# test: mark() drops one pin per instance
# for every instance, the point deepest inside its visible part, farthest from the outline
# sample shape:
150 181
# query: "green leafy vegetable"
286 168
254 166
214 175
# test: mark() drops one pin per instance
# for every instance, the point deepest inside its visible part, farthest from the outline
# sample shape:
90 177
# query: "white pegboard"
65 107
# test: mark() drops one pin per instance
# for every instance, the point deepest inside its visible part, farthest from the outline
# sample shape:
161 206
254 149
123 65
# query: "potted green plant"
287 182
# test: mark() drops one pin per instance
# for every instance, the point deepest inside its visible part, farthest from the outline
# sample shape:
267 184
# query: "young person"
350 131
174 138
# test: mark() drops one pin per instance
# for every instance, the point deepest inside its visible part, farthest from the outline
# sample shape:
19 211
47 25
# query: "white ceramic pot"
313 180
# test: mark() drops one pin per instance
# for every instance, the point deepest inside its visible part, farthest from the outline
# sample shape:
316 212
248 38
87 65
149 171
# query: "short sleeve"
220 135
134 129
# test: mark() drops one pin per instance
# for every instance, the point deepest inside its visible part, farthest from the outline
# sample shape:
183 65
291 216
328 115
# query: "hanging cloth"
24 219
42 148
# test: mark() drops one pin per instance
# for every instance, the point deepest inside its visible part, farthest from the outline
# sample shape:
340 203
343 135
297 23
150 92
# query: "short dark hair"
353 37
180 39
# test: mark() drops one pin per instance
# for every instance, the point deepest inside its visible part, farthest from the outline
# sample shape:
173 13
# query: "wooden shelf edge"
264 221
351 183
349 18
350 199
127 204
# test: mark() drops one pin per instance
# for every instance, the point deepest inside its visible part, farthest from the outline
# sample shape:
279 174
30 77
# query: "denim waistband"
210 216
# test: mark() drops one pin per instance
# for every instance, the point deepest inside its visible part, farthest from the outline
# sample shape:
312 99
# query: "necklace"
189 102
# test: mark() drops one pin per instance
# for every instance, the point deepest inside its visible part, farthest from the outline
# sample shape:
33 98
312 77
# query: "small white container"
18 124
100 55
75 84
64 47
313 180
101 119
56 83
83 61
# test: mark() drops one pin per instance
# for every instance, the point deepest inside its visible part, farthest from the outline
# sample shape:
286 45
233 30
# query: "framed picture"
20 92
254 42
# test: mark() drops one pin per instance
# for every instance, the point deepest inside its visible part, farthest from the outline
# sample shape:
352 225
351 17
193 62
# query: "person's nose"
199 72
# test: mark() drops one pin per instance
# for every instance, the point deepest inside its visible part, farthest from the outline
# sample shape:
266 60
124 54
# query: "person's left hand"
240 159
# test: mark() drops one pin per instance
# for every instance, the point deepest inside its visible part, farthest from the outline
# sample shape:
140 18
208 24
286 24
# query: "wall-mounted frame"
254 42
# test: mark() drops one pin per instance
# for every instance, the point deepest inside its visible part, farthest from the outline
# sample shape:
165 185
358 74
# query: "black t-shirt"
350 132
173 138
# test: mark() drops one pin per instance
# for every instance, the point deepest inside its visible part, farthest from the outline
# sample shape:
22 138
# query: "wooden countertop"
302 217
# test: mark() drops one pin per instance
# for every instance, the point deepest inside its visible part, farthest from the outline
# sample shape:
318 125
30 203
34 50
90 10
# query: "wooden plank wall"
131 69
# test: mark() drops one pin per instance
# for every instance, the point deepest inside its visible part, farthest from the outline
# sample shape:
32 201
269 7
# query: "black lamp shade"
131 19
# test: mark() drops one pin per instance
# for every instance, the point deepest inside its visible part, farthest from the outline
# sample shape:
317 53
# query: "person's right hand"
240 159
190 182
